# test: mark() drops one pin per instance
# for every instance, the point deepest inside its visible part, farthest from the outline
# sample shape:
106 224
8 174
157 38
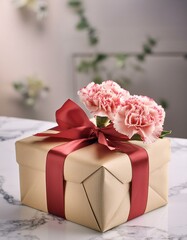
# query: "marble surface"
21 222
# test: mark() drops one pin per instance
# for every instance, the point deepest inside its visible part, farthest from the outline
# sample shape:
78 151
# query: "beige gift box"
97 180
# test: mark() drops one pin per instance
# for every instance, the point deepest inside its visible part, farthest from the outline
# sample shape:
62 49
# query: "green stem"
101 121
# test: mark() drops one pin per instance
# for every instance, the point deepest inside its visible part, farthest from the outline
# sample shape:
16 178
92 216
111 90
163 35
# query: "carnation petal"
140 115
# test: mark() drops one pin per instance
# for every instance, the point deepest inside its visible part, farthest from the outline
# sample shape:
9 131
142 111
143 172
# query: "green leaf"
97 79
165 133
147 49
82 24
74 3
18 86
92 36
93 40
102 121
85 66
100 57
152 42
120 59
141 57
122 56
164 103
136 137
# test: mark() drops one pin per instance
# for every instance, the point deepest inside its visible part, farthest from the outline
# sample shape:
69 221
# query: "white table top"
21 222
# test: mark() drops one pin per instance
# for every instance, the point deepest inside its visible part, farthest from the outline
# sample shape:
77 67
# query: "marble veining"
176 190
13 227
7 197
139 232
11 128
21 222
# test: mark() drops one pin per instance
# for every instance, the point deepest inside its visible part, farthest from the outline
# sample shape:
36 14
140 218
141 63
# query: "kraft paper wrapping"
97 180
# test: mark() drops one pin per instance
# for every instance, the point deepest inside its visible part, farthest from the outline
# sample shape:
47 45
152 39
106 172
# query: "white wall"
27 48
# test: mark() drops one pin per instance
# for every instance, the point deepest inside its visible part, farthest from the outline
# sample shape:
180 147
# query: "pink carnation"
103 99
88 95
140 115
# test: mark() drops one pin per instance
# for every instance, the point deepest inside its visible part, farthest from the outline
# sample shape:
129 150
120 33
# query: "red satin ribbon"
74 125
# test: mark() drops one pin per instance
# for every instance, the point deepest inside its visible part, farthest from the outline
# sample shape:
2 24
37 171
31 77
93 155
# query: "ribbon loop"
70 115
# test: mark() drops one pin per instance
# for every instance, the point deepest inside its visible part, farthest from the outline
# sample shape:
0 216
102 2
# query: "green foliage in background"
83 22
31 90
96 67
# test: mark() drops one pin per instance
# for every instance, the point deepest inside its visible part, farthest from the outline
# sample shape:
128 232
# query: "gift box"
97 181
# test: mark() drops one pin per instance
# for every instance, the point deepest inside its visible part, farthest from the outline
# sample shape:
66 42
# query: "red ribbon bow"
75 126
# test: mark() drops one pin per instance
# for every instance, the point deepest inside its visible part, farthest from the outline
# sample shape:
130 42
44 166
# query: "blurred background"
50 49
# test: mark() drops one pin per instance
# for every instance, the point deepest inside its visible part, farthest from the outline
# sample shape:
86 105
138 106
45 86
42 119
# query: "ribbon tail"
140 177
55 183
